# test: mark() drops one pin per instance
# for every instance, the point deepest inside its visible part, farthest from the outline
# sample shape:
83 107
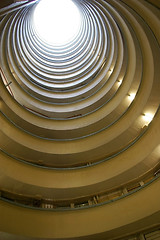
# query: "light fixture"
147 117
56 22
131 96
119 82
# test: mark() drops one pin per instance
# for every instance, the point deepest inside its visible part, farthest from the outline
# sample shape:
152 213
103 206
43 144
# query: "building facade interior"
80 122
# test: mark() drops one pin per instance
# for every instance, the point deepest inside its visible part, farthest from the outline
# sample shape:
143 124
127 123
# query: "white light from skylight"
57 22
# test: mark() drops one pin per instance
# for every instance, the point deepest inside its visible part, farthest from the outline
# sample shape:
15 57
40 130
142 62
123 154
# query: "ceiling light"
131 96
147 117
119 82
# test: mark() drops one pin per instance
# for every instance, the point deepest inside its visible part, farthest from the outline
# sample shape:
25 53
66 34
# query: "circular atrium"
80 119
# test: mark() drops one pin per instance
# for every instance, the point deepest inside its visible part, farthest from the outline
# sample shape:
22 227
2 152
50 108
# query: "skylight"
57 22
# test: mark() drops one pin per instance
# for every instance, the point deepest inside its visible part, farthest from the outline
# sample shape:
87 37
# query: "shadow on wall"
4 3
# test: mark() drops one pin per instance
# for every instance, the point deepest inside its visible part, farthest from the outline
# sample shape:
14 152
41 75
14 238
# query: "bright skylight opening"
57 22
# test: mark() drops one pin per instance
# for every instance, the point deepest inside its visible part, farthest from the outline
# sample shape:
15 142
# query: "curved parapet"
107 221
